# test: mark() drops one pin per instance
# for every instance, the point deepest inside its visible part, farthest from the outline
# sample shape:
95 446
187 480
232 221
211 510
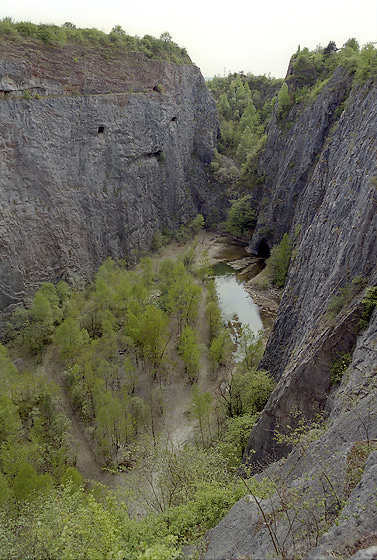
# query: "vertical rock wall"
321 189
97 174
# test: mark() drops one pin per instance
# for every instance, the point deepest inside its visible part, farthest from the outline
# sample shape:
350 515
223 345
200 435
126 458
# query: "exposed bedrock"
321 188
322 502
90 176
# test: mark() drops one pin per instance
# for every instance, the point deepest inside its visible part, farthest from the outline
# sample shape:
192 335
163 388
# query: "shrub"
278 263
344 296
339 366
369 303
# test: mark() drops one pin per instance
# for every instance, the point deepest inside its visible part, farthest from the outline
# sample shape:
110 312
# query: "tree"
353 44
153 334
235 439
166 37
284 100
368 62
330 49
224 107
249 117
190 351
241 216
28 483
248 392
221 348
10 422
250 347
201 408
71 339
183 300
214 319
119 31
41 327
278 262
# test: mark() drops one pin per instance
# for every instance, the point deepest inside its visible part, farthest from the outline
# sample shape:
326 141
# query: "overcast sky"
253 36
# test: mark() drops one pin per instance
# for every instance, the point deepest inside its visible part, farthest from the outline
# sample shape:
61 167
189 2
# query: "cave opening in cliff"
263 249
174 119
101 129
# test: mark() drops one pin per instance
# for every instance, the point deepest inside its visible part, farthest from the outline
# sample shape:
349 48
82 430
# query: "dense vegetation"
311 70
115 42
112 349
245 104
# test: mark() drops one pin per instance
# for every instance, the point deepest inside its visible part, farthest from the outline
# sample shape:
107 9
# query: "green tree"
248 392
284 100
236 436
241 216
353 44
153 334
8 371
10 422
250 347
367 67
278 262
71 339
190 351
220 349
42 317
214 319
28 483
183 300
245 144
249 117
224 107
119 31
200 409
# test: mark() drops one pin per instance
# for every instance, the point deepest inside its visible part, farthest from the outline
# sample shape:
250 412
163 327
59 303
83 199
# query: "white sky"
249 35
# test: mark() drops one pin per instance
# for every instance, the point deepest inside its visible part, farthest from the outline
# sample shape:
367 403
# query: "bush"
339 366
369 303
344 296
278 263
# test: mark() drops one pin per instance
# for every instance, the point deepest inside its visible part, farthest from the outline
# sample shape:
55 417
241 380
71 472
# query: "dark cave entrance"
101 129
263 249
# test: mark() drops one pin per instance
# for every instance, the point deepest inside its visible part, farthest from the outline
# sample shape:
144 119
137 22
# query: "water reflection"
235 301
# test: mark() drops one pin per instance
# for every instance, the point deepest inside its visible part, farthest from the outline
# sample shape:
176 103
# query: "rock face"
97 173
321 179
323 499
326 200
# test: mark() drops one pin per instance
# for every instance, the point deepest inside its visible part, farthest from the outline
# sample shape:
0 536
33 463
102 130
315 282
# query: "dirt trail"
177 427
86 460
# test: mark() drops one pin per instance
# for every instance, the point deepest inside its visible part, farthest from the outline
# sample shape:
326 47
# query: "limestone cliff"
321 173
321 183
96 157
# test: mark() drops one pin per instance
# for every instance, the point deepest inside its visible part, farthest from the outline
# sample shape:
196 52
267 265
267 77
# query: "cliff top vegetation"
112 44
309 71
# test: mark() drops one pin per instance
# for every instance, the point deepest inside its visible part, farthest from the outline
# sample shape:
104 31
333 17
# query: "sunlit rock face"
94 165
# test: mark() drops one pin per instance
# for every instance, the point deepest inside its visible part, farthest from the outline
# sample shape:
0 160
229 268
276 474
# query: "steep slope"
330 196
95 161
321 167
